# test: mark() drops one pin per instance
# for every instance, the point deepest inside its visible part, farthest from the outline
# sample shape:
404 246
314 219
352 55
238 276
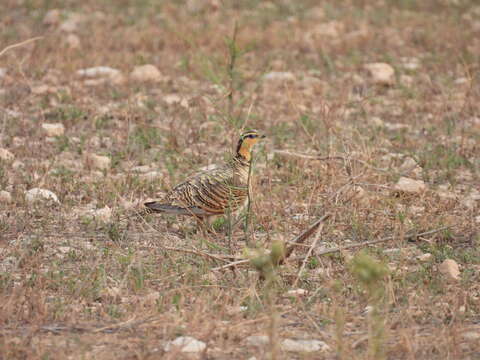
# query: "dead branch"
372 242
342 248
219 257
13 46
305 235
327 158
294 242
307 256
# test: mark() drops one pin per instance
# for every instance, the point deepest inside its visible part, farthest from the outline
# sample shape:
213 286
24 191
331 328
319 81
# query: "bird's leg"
204 223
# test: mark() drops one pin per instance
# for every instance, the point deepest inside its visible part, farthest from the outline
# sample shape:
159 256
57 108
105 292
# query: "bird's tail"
156 207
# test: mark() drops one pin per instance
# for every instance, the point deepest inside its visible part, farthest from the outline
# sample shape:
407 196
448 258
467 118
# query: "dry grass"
72 286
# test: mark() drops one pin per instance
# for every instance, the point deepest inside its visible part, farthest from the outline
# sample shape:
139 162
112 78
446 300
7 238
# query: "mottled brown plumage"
214 192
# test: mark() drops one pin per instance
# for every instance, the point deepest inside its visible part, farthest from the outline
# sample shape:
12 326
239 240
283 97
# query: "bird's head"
246 142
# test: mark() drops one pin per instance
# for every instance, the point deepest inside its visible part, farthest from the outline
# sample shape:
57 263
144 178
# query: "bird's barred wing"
214 192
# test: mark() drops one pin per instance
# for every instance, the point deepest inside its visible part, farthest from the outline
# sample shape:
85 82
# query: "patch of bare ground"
372 115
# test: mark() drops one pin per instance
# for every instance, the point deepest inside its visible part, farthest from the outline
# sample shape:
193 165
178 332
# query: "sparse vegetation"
92 277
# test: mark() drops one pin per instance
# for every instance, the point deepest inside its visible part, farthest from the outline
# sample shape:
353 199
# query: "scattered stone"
417 210
450 269
297 292
72 23
64 249
471 335
171 99
410 167
381 73
52 17
396 126
406 80
98 161
146 73
304 346
42 90
103 214
99 72
470 199
141 169
257 340
477 219
359 193
5 197
6 155
73 41
3 72
330 29
196 6
427 257
18 165
444 192
279 76
151 175
376 121
461 81
55 129
186 344
37 194
408 185
410 63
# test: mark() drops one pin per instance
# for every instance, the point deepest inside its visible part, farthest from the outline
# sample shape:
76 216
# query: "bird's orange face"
247 141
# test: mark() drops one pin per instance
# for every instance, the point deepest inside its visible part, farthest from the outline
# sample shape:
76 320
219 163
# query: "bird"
212 193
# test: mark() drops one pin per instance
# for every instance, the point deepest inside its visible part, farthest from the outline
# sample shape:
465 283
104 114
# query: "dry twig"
13 46
372 242
327 158
307 256
294 242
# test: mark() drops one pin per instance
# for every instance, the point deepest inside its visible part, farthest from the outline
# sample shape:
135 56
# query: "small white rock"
396 126
408 165
279 76
146 73
427 257
445 193
64 249
151 175
471 335
6 155
450 269
329 29
257 340
99 72
103 214
304 346
37 194
55 129
297 292
72 23
52 17
5 197
18 165
98 161
410 63
376 121
381 73
408 185
42 90
141 169
73 41
186 344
